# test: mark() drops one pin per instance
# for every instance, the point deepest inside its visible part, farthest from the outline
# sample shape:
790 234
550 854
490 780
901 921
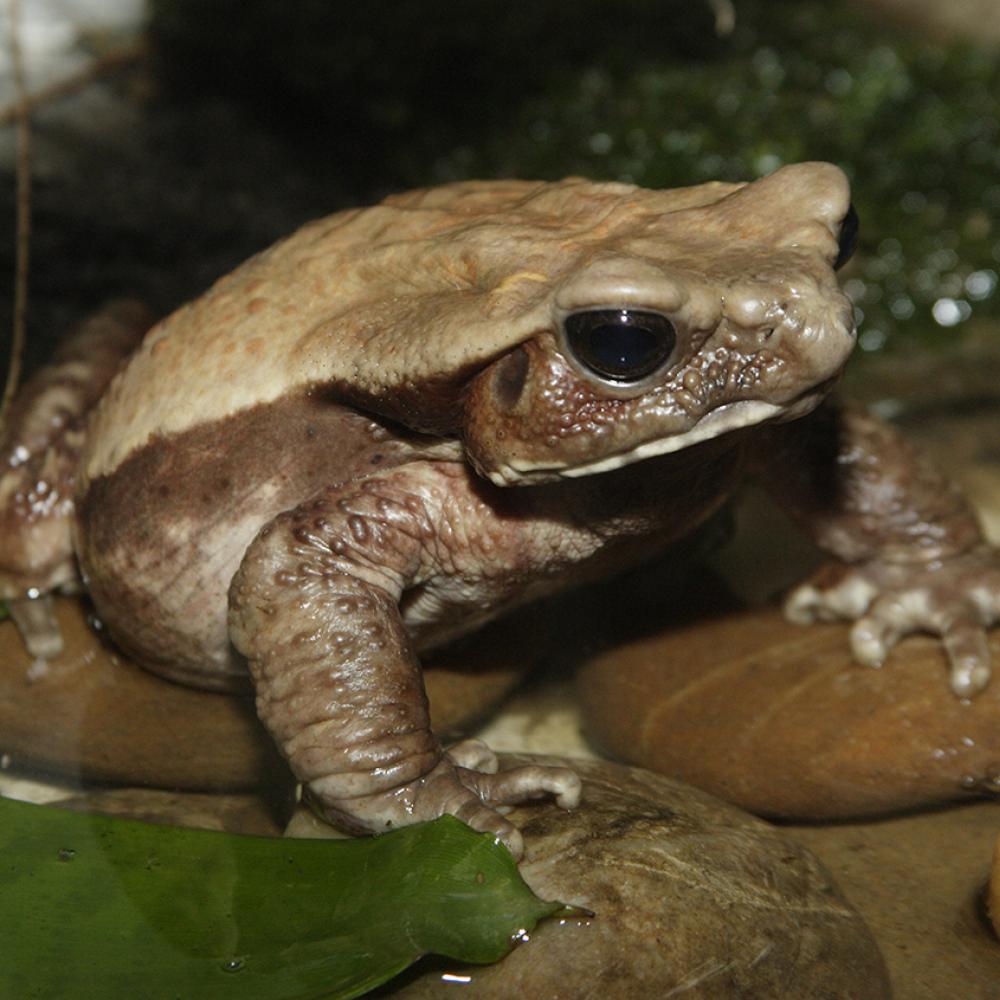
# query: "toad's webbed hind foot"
40 447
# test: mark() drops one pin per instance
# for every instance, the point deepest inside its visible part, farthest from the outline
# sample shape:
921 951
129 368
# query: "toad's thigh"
160 586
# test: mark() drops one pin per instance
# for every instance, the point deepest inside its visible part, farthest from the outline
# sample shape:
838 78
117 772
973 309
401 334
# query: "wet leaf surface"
92 906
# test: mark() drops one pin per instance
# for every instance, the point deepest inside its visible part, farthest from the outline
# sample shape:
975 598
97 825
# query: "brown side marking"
160 538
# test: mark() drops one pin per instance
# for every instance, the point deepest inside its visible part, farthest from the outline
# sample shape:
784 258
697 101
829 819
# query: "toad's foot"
465 783
957 598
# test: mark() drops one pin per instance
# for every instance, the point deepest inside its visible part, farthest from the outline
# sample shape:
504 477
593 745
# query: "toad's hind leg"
40 445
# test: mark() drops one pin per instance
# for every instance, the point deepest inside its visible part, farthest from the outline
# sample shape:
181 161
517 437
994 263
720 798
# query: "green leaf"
99 907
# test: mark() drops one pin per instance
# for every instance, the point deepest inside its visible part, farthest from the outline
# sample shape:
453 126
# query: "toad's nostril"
509 376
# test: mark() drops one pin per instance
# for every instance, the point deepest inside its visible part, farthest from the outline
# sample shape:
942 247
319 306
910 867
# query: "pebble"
690 896
919 882
781 720
91 715
923 883
993 892
246 813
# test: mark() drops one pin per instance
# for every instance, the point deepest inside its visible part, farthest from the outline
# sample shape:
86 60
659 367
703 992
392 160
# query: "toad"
406 420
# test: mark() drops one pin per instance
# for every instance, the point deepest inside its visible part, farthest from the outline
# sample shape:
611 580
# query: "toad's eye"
620 345
848 239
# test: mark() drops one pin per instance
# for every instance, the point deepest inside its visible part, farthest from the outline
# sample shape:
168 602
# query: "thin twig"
110 62
23 212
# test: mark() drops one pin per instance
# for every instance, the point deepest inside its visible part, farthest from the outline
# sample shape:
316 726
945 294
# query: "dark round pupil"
848 238
622 345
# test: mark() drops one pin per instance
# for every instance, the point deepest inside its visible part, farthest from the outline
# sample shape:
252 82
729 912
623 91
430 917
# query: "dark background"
243 119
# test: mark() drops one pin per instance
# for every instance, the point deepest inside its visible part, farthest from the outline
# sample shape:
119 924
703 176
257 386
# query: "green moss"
916 127
403 93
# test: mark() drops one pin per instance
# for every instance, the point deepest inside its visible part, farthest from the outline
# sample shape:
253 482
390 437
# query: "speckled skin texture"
378 434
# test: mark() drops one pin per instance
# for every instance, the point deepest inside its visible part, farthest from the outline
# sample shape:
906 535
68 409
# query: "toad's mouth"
725 418
729 417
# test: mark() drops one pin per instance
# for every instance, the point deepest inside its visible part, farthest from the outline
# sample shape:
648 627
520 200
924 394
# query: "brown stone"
466 681
247 813
918 882
91 715
690 896
993 891
780 720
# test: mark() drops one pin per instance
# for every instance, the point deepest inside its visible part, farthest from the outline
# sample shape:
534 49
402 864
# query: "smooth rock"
780 719
91 715
993 891
248 813
691 896
918 881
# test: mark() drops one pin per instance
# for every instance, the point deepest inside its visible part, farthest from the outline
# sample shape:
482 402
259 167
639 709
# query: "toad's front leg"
315 608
